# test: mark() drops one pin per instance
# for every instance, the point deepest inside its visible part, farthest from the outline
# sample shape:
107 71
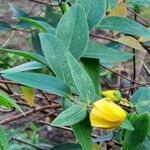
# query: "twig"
30 144
25 31
7 41
146 68
6 110
45 96
148 24
119 78
9 82
49 124
146 48
122 76
30 112
9 89
33 8
109 84
101 37
65 128
37 96
110 39
4 89
39 2
131 87
43 3
139 71
22 103
134 64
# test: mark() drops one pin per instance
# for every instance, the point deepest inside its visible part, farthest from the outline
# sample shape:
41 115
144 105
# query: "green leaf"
134 138
92 66
8 102
28 95
105 54
23 25
25 54
145 145
36 42
18 12
24 67
111 4
127 125
131 42
142 93
54 51
4 26
82 131
95 10
12 133
64 7
28 25
41 25
143 106
139 2
40 81
81 79
66 103
67 146
70 116
73 32
52 17
141 99
124 25
3 140
66 67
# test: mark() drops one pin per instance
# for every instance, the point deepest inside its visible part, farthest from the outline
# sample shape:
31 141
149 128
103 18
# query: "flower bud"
125 102
106 114
114 95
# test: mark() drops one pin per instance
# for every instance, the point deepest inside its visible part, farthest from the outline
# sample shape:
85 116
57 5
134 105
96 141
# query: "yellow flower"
114 95
106 114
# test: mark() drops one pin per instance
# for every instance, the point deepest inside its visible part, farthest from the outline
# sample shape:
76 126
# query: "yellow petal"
107 108
109 94
114 95
120 10
102 122
106 114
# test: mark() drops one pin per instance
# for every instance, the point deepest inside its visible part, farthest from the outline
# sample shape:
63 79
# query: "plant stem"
30 144
30 112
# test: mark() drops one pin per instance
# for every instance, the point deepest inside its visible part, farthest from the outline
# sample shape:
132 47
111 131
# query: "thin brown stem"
45 96
9 89
134 64
9 82
148 23
101 37
64 128
122 76
29 144
4 89
30 112
43 3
